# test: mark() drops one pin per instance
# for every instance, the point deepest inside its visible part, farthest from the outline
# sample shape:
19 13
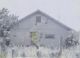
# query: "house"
40 29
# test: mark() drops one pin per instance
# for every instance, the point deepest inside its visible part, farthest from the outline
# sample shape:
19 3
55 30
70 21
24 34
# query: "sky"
65 11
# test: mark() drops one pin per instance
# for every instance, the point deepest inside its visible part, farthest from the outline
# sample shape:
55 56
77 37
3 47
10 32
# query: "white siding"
20 34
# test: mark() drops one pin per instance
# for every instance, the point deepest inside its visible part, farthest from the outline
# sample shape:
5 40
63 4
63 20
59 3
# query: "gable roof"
42 13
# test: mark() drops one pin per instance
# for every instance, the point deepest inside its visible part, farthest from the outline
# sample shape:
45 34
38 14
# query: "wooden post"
61 47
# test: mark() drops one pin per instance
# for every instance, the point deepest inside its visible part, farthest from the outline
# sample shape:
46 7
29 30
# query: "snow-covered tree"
6 23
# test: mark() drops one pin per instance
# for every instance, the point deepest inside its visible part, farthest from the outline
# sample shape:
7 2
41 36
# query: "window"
49 36
38 19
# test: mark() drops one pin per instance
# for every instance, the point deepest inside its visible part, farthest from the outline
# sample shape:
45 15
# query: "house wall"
20 34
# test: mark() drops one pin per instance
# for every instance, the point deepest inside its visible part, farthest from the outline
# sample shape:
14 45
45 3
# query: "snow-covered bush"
72 40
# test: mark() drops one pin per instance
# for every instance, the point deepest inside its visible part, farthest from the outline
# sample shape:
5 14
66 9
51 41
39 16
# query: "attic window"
38 19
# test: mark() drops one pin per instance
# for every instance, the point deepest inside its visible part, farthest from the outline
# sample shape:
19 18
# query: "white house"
40 29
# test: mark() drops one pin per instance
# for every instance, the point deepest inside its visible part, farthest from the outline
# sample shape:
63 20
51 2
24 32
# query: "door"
34 37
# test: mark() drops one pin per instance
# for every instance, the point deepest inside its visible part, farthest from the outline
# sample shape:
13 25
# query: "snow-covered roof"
42 13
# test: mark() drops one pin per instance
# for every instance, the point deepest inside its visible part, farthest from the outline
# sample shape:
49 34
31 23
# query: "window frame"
49 36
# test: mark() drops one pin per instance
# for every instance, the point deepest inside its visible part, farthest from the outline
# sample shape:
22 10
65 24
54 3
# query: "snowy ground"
42 52
31 52
73 52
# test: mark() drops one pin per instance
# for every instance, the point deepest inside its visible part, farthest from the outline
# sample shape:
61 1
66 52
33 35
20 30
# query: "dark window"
49 36
7 42
38 19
